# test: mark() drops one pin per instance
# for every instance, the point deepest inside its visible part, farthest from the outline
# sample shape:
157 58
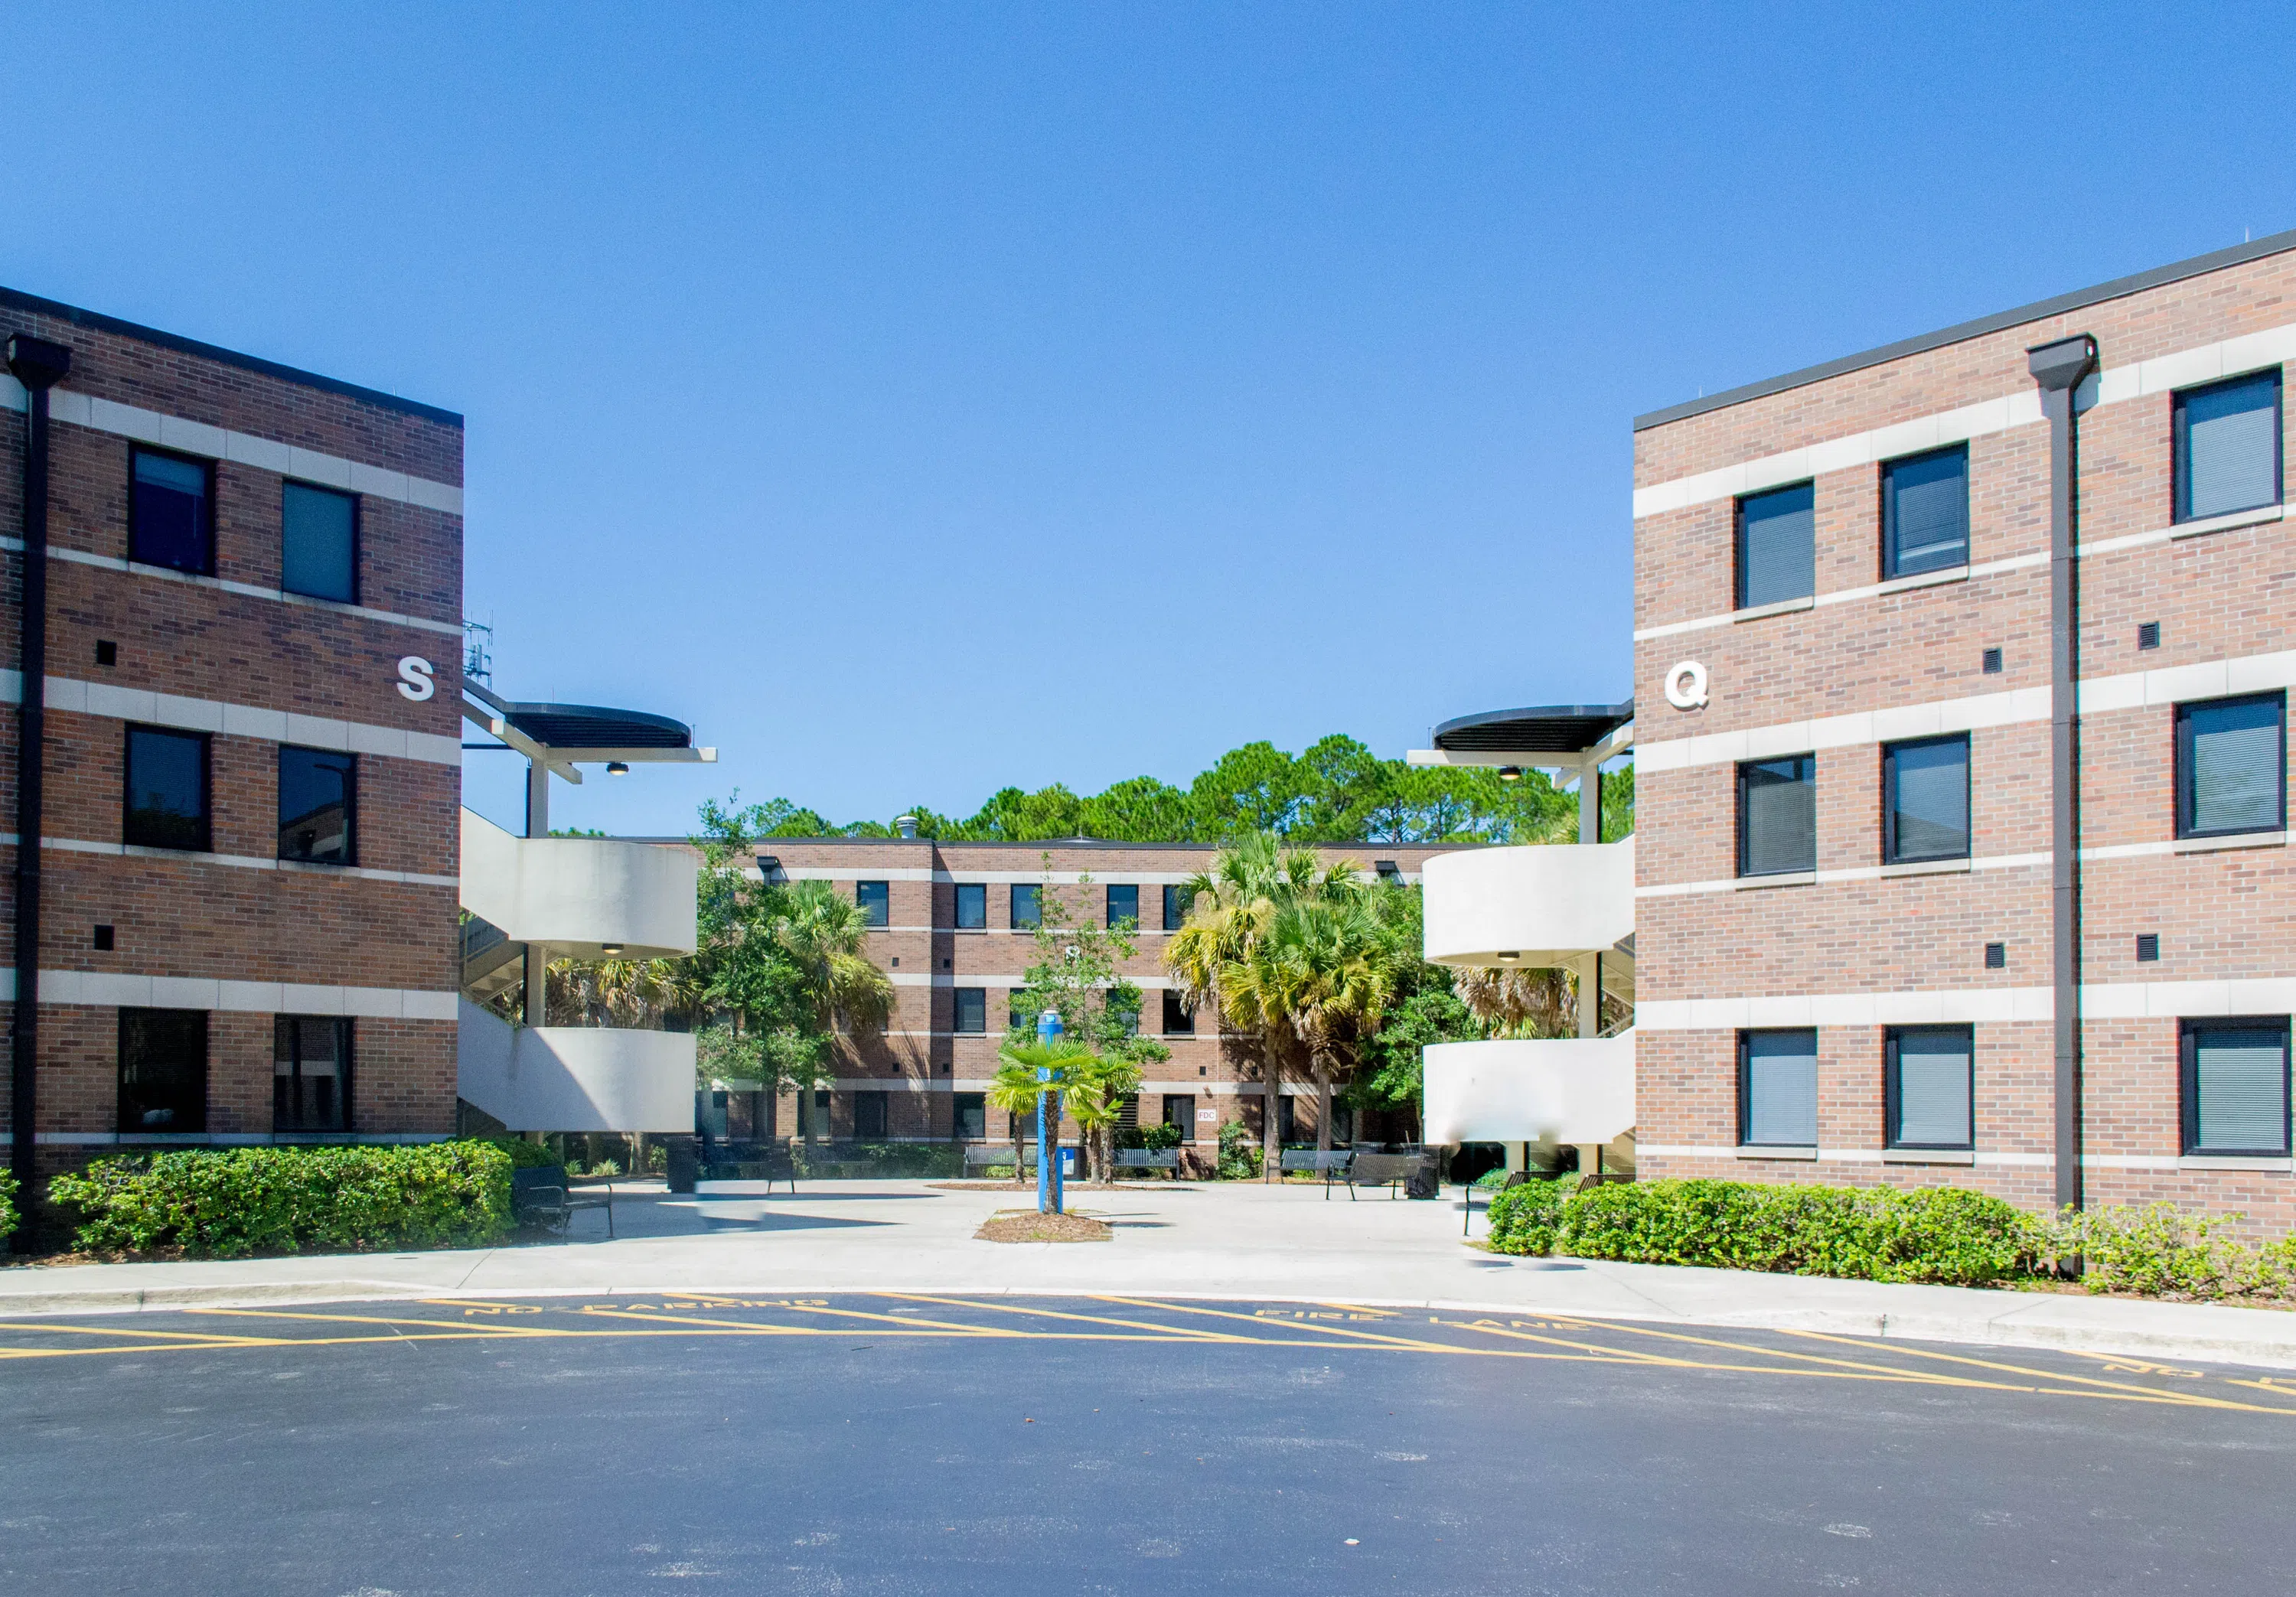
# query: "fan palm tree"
1221 954
1026 1073
826 936
1096 1098
1328 961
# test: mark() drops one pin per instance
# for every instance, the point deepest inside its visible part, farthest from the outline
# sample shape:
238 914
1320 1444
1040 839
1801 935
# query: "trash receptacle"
685 1166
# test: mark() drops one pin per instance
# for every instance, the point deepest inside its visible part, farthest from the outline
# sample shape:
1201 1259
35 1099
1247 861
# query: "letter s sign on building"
414 678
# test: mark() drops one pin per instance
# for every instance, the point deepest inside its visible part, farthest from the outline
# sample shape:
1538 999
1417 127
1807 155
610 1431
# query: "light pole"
1048 1117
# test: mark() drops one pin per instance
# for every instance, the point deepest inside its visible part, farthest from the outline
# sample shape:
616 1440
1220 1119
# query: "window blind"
2231 456
1925 507
1930 799
2240 1085
1778 818
1933 1082
2236 765
1781 1088
1777 546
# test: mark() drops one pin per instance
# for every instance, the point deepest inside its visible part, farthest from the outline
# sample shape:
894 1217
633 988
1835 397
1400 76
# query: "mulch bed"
1027 1226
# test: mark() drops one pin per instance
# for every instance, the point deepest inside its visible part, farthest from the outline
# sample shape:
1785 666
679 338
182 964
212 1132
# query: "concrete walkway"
1235 1241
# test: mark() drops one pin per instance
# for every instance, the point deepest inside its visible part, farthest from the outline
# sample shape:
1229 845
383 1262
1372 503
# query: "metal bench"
1149 1158
1388 1170
540 1195
1332 1163
987 1156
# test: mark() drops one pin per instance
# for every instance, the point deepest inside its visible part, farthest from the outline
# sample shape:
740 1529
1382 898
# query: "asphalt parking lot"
926 1443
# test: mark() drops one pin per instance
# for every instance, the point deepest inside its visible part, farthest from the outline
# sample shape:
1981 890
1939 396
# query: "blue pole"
1048 1172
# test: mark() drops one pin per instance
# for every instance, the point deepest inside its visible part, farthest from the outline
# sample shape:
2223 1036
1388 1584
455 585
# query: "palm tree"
1096 1102
1015 1089
1027 1071
1330 963
1222 955
826 936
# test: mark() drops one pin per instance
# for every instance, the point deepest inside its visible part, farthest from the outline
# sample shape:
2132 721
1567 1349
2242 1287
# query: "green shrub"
1160 1139
1881 1233
8 1215
1239 1156
2157 1249
523 1155
1524 1218
226 1204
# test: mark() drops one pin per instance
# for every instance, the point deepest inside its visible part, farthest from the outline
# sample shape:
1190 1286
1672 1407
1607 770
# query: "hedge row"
7 1203
224 1204
1878 1234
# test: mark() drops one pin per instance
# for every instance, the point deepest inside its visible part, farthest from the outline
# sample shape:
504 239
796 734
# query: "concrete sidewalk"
1231 1241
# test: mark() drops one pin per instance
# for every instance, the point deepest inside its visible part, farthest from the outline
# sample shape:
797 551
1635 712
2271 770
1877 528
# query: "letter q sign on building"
1685 685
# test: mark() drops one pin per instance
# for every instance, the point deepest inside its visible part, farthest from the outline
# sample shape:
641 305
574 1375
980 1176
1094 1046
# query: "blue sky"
923 399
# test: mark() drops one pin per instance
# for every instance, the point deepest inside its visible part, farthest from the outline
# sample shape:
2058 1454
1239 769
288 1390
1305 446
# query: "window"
311 1074
1343 1125
2231 761
1180 1110
2235 1087
876 902
1925 513
319 794
1179 1020
1123 906
1777 1088
1928 1078
2228 446
1777 816
319 542
869 1114
1925 800
163 1070
1176 906
167 789
1287 1119
972 905
1777 546
973 1009
971 1123
171 511
1126 1021
1028 907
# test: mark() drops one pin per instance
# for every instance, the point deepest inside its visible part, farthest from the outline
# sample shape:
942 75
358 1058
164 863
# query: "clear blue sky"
920 399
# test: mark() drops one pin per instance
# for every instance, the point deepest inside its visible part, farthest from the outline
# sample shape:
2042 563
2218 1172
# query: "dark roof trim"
1548 729
2216 260
574 727
16 299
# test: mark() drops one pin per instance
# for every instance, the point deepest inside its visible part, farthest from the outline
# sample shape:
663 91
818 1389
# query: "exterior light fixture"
618 768
610 949
1507 956
1509 773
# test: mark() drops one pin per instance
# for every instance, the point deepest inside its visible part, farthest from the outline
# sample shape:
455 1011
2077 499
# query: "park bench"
541 1195
1149 1158
1388 1170
986 1155
1333 1164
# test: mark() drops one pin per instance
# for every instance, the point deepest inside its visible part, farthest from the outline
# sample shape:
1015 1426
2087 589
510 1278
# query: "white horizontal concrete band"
2099 1001
237 720
1996 862
241 448
2098 695
81 557
2158 375
241 862
115 990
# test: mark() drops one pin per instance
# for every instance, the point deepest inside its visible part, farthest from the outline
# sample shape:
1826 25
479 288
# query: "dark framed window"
2232 765
972 1010
167 789
1017 1016
869 1114
311 1073
171 510
1028 905
1777 816
1925 800
1929 1082
1777 1088
1925 513
1777 546
1123 904
318 543
970 1118
318 806
1179 1020
2228 446
1180 1110
1176 899
2235 1087
163 1070
972 905
1125 1018
876 901
1287 1119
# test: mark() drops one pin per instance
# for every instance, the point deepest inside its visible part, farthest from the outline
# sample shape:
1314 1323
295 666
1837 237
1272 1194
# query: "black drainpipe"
40 365
2059 368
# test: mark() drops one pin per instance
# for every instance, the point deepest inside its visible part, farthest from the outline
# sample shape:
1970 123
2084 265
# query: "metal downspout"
39 364
2059 368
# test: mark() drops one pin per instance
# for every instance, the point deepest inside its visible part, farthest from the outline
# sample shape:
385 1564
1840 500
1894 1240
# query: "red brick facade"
236 657
1856 932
